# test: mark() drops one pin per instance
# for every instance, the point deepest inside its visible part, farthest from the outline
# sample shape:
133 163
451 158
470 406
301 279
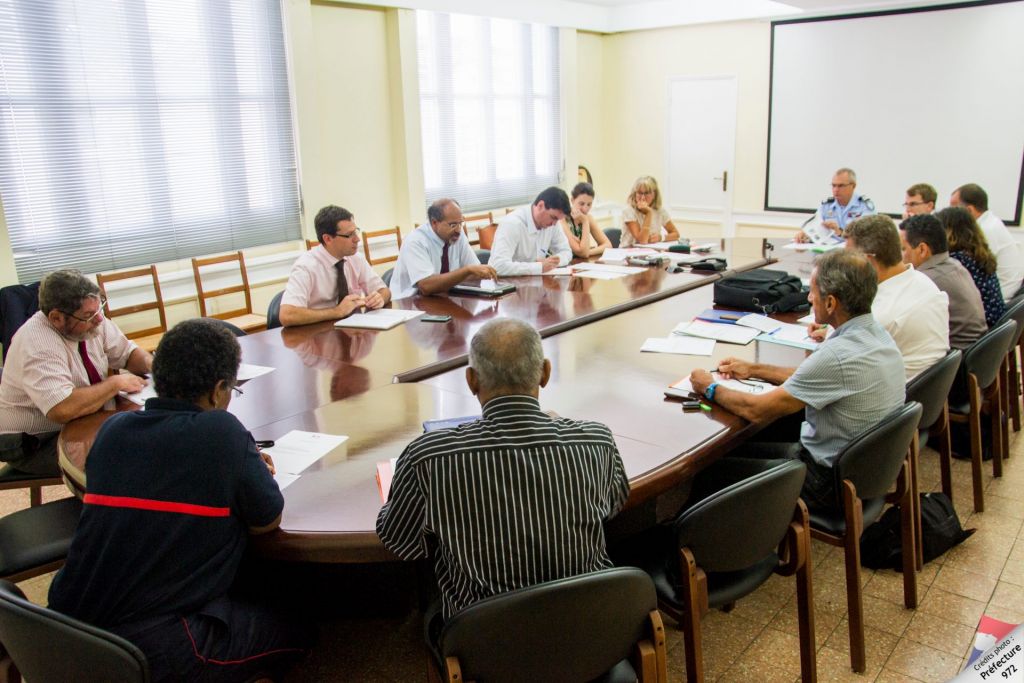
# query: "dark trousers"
819 491
31 453
227 640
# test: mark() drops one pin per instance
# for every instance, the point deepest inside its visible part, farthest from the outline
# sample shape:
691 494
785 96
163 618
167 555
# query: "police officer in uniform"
844 206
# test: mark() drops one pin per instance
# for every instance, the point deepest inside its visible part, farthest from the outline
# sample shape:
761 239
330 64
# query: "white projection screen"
931 95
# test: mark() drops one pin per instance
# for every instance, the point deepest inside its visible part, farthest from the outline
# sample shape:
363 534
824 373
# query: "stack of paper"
297 450
691 346
381 319
747 386
140 397
790 335
731 334
759 322
611 255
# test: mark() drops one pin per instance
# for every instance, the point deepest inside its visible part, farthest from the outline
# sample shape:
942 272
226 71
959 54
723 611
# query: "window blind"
489 106
139 131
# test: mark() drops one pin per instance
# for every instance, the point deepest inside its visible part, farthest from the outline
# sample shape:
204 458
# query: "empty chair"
45 645
976 390
239 317
18 303
484 218
931 388
718 552
312 244
149 337
36 540
573 629
486 235
274 311
865 471
386 277
367 236
613 235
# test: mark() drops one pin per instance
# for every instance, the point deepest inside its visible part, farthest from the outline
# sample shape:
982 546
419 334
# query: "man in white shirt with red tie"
437 256
331 281
57 369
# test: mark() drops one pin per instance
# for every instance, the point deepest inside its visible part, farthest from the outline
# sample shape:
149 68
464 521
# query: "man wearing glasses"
437 256
331 281
843 207
920 200
57 368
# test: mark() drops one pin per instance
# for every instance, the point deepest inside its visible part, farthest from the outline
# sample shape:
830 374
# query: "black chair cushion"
959 408
622 672
833 522
38 535
723 587
9 475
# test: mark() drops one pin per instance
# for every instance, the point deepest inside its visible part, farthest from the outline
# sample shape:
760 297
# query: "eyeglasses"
837 185
91 318
645 193
456 224
237 391
911 205
348 236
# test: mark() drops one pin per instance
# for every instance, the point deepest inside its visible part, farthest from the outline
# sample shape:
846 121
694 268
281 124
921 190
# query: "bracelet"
709 393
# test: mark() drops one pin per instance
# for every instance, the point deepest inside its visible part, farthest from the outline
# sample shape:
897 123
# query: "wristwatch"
709 393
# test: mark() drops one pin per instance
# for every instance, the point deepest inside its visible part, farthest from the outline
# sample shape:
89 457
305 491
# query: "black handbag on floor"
880 544
762 290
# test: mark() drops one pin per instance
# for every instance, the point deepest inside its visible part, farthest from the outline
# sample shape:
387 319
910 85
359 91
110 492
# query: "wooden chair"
976 391
1011 370
865 472
367 236
486 235
572 629
11 478
240 317
150 337
312 244
476 218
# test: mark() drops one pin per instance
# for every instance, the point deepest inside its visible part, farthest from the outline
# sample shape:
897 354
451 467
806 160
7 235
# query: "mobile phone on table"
436 318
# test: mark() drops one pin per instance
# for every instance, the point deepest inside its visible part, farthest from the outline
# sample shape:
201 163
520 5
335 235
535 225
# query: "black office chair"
18 303
11 478
274 311
386 277
574 629
44 645
36 540
1011 377
717 551
976 389
614 235
931 389
233 329
864 472
484 255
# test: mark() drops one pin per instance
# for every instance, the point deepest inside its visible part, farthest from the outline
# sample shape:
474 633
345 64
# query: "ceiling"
614 16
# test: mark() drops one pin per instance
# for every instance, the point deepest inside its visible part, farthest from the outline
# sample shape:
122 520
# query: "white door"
702 148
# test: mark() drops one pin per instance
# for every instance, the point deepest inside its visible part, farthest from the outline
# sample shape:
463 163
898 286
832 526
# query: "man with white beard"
56 370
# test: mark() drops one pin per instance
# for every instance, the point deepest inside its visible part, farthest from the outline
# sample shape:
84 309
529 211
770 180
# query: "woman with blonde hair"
967 244
644 216
585 237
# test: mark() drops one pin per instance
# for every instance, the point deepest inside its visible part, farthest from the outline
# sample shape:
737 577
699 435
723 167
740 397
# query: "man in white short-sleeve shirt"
1009 255
56 370
437 255
331 281
526 244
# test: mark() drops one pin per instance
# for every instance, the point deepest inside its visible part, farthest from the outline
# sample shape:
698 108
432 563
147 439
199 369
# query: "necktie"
444 259
90 369
342 282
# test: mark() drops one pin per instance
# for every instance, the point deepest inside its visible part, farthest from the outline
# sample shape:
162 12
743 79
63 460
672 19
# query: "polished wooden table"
343 382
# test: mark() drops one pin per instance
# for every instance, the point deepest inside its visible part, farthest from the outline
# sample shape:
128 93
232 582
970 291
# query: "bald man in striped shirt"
513 499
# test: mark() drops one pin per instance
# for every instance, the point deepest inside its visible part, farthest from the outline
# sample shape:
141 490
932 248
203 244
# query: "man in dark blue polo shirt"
172 494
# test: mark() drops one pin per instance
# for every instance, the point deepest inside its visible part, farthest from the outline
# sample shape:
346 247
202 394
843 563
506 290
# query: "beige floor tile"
1005 488
888 585
774 649
946 605
889 676
965 583
830 597
725 638
824 622
833 569
1008 507
878 645
950 637
742 672
1008 595
1006 614
834 666
975 561
922 662
37 588
886 616
1013 573
759 607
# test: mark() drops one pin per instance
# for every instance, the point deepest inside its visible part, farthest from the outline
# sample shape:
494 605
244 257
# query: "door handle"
725 180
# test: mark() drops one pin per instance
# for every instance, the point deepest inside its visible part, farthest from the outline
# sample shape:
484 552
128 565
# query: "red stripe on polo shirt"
155 505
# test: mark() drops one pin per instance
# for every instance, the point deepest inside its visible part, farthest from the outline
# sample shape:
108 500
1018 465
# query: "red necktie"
444 259
90 369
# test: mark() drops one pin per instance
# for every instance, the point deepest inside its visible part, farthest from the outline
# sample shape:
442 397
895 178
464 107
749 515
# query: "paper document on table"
688 346
623 254
675 257
806 320
661 246
811 246
790 335
381 319
284 479
759 322
385 473
247 371
606 268
564 270
139 397
731 334
297 450
747 386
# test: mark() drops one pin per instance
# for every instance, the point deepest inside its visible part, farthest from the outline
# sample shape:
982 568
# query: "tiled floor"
758 639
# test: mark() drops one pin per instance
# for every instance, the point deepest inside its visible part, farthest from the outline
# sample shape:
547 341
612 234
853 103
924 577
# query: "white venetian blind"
489 104
138 131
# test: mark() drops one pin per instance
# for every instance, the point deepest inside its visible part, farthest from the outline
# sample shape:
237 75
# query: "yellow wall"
590 112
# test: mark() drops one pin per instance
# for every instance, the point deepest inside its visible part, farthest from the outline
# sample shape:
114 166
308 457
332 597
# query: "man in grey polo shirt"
849 384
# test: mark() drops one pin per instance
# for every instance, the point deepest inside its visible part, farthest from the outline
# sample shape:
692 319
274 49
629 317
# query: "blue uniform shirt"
830 210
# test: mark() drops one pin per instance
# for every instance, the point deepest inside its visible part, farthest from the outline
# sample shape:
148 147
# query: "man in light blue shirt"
526 243
843 207
437 255
848 385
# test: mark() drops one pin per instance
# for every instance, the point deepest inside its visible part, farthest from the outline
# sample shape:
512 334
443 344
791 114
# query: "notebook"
485 288
381 319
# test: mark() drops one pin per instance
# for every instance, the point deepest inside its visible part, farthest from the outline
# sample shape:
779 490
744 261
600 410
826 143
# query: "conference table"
378 387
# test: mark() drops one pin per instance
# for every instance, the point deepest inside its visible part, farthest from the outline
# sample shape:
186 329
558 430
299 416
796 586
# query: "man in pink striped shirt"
56 370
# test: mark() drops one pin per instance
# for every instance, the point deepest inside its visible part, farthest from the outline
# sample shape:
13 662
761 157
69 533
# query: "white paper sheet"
139 398
807 319
284 480
297 450
790 335
381 319
747 386
564 270
606 268
759 322
731 334
619 255
689 346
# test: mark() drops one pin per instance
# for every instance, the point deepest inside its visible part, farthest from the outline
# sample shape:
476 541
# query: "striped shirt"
513 499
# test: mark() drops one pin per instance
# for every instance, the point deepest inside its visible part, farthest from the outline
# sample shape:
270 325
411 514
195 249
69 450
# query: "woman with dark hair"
585 237
967 244
583 175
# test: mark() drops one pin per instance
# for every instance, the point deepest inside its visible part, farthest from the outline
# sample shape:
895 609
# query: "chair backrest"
386 277
614 235
203 295
485 218
983 358
156 304
486 235
367 236
931 387
274 311
18 303
720 530
1015 312
873 460
483 255
233 329
312 244
572 629
48 646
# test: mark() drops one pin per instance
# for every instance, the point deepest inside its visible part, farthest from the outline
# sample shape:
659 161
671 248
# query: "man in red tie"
56 370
